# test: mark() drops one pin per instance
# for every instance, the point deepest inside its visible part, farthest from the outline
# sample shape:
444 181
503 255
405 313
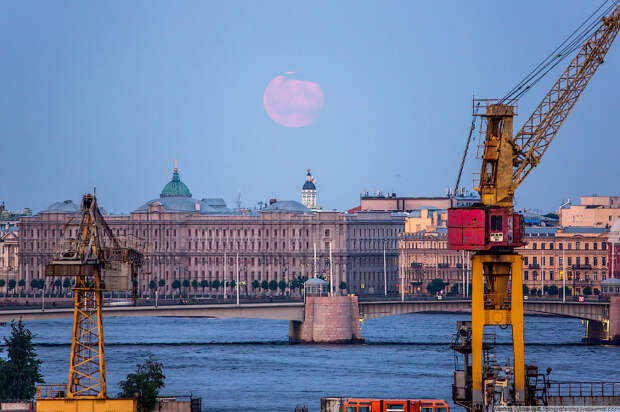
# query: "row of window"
550 275
569 260
569 245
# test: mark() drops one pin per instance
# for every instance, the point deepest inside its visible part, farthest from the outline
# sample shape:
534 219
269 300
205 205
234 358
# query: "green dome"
175 188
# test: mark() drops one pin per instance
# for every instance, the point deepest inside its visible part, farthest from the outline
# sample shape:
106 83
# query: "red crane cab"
484 228
396 405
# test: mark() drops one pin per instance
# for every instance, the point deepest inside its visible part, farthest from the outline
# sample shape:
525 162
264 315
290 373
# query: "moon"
293 102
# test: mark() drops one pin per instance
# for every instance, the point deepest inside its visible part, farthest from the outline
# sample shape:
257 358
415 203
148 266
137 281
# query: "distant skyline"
108 94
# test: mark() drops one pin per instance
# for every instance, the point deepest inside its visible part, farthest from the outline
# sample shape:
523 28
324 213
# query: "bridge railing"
581 389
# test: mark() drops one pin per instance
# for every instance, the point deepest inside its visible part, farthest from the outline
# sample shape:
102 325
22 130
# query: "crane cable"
471 131
569 45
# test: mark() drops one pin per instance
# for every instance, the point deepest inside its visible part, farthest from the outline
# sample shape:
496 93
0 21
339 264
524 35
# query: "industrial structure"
97 261
493 231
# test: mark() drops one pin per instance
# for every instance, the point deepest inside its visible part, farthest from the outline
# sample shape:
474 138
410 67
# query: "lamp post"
563 276
384 270
237 285
331 272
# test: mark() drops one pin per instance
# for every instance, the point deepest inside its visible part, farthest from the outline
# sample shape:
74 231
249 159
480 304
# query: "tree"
66 283
21 284
161 283
2 283
533 292
553 290
294 285
282 286
255 284
147 381
58 283
342 286
587 291
273 285
186 284
264 285
176 284
20 373
34 284
152 284
204 284
12 284
195 285
215 284
232 284
526 290
454 290
435 286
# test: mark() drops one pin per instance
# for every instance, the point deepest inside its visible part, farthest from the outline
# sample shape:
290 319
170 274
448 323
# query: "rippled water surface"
248 365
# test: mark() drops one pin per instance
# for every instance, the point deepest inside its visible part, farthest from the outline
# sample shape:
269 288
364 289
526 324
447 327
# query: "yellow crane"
492 230
98 262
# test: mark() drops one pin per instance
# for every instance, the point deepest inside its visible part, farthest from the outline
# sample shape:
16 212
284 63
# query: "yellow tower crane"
492 229
98 262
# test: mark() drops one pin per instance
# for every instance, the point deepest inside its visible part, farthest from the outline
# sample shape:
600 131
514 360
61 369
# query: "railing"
581 389
51 391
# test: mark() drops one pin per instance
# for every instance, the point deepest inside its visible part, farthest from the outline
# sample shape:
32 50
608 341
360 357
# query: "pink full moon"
293 102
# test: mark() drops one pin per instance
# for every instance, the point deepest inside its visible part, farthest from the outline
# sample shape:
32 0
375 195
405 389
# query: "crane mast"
493 231
98 262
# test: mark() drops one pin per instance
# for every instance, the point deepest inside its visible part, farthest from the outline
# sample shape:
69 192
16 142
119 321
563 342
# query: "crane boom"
538 132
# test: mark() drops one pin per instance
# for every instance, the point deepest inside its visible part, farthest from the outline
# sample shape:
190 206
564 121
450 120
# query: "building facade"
202 239
425 256
595 211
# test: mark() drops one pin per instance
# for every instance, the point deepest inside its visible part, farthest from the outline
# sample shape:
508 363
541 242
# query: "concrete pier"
329 319
614 320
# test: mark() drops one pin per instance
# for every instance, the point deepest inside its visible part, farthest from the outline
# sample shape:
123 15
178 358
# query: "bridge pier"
329 319
596 332
614 320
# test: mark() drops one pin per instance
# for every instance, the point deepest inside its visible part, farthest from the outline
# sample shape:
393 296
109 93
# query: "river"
248 365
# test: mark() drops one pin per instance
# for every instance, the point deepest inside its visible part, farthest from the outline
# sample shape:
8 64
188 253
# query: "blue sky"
108 94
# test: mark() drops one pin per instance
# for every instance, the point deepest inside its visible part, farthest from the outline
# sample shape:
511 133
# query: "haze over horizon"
109 94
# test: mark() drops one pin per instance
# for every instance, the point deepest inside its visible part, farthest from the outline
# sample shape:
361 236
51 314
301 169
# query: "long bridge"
322 314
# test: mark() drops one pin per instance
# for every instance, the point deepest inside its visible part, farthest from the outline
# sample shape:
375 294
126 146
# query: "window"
561 246
604 261
551 275
525 260
327 232
570 260
595 245
525 275
586 246
542 246
550 260
534 246
595 260
587 260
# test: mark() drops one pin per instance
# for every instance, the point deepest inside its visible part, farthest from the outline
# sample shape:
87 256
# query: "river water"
248 365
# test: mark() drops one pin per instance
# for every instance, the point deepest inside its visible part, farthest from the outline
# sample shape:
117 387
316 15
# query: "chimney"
197 205
272 201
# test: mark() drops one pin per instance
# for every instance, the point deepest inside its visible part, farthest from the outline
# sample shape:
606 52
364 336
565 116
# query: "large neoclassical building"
199 239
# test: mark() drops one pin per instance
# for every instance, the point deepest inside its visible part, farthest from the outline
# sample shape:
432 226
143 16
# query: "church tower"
308 192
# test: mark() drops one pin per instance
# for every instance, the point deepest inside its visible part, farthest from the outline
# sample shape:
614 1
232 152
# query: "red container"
480 228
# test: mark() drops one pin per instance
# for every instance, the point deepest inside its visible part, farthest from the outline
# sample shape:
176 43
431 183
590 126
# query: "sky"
109 94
